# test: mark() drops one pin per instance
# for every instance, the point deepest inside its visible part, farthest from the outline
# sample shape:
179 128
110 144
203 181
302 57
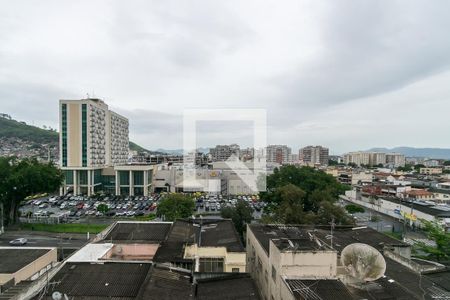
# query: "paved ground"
385 223
44 239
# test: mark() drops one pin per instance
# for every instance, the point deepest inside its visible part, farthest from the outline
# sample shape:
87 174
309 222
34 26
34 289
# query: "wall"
389 208
231 259
132 251
255 252
32 268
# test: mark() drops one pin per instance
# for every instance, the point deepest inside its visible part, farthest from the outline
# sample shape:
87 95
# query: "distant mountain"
180 151
12 129
438 153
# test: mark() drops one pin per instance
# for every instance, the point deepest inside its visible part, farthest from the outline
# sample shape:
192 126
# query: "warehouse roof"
12 259
138 232
99 281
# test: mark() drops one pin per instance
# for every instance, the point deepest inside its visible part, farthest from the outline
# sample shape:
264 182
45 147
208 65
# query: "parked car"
18 242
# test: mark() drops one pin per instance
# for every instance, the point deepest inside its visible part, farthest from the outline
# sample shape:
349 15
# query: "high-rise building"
91 135
278 154
395 160
314 155
91 138
224 152
377 158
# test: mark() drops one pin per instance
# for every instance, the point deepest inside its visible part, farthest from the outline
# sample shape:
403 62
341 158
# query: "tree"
447 163
317 186
294 207
241 214
103 208
406 168
22 178
436 233
418 166
176 206
352 208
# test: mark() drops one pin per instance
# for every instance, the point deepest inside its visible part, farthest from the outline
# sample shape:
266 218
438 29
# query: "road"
384 223
41 239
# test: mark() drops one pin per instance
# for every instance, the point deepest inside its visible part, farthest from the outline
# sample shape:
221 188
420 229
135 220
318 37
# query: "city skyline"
322 82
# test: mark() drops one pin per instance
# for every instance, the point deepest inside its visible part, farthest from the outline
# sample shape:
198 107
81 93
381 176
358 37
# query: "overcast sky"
349 75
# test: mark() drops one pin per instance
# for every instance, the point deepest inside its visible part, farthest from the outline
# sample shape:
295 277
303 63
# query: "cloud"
320 68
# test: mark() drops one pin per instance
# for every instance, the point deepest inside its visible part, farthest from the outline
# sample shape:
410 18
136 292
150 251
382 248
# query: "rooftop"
399 281
206 233
236 286
166 284
138 232
14 258
318 289
99 281
91 253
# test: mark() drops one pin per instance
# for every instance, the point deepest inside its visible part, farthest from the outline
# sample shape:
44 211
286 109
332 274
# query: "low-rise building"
209 245
19 264
304 262
430 171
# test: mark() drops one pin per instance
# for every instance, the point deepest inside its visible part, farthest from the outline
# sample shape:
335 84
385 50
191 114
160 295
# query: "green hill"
10 128
15 129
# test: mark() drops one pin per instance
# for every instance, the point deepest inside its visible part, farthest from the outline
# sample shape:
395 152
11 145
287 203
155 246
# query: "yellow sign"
409 216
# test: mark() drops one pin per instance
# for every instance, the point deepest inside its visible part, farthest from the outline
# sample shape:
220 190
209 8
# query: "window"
274 273
64 134
68 174
211 265
124 177
83 177
259 264
235 270
138 177
84 134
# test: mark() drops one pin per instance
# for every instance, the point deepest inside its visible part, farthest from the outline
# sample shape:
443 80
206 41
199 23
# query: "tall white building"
91 138
278 154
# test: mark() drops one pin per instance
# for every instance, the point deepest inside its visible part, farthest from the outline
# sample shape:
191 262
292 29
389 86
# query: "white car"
18 242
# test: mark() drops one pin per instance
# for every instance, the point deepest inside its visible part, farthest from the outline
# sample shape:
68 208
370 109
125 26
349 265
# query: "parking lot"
72 208
213 204
105 208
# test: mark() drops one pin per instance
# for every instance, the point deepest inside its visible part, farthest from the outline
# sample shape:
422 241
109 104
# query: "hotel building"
94 151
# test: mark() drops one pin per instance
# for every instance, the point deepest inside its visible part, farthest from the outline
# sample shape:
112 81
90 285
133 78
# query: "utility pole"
332 227
2 229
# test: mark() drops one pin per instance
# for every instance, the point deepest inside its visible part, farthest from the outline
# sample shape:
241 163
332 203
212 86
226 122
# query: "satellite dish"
363 262
57 295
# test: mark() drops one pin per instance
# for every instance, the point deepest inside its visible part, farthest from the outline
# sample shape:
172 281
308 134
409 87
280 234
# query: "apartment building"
278 154
395 160
224 152
291 262
314 155
360 158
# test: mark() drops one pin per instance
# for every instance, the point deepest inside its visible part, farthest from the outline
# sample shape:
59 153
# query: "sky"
349 75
